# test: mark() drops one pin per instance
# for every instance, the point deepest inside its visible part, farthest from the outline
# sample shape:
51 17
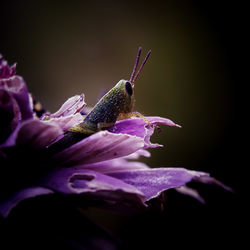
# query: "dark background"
196 76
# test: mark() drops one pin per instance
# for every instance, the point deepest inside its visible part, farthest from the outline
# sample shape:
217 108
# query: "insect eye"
129 88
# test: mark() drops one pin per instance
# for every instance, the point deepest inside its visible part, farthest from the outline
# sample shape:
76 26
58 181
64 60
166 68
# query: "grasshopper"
115 104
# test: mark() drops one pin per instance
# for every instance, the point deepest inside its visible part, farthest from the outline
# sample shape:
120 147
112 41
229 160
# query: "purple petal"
77 181
8 205
10 114
115 165
138 127
138 154
16 86
93 185
34 133
66 122
206 179
152 182
72 106
157 120
6 71
68 115
100 146
190 192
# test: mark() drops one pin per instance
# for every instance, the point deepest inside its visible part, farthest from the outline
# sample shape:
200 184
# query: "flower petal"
157 120
138 154
152 182
98 147
10 114
16 86
33 133
66 122
206 179
139 127
8 205
6 71
115 165
72 106
190 192
93 185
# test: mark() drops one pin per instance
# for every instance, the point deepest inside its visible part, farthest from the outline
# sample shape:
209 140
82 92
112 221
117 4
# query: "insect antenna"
136 64
141 67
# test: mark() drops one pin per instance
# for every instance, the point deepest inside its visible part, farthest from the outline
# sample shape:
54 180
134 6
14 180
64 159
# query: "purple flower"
102 167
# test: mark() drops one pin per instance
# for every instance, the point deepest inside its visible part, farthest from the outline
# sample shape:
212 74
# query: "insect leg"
134 114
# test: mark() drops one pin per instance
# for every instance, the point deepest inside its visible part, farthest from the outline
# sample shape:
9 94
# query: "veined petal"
152 182
76 180
138 154
72 106
33 133
98 147
66 122
93 185
16 86
138 127
115 165
157 120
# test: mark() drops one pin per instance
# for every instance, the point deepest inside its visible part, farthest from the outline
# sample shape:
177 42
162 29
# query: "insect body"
116 104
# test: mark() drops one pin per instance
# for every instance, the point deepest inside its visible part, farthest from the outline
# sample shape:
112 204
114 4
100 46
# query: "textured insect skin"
117 103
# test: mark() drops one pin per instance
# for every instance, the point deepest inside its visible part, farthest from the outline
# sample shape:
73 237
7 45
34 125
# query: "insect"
116 104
